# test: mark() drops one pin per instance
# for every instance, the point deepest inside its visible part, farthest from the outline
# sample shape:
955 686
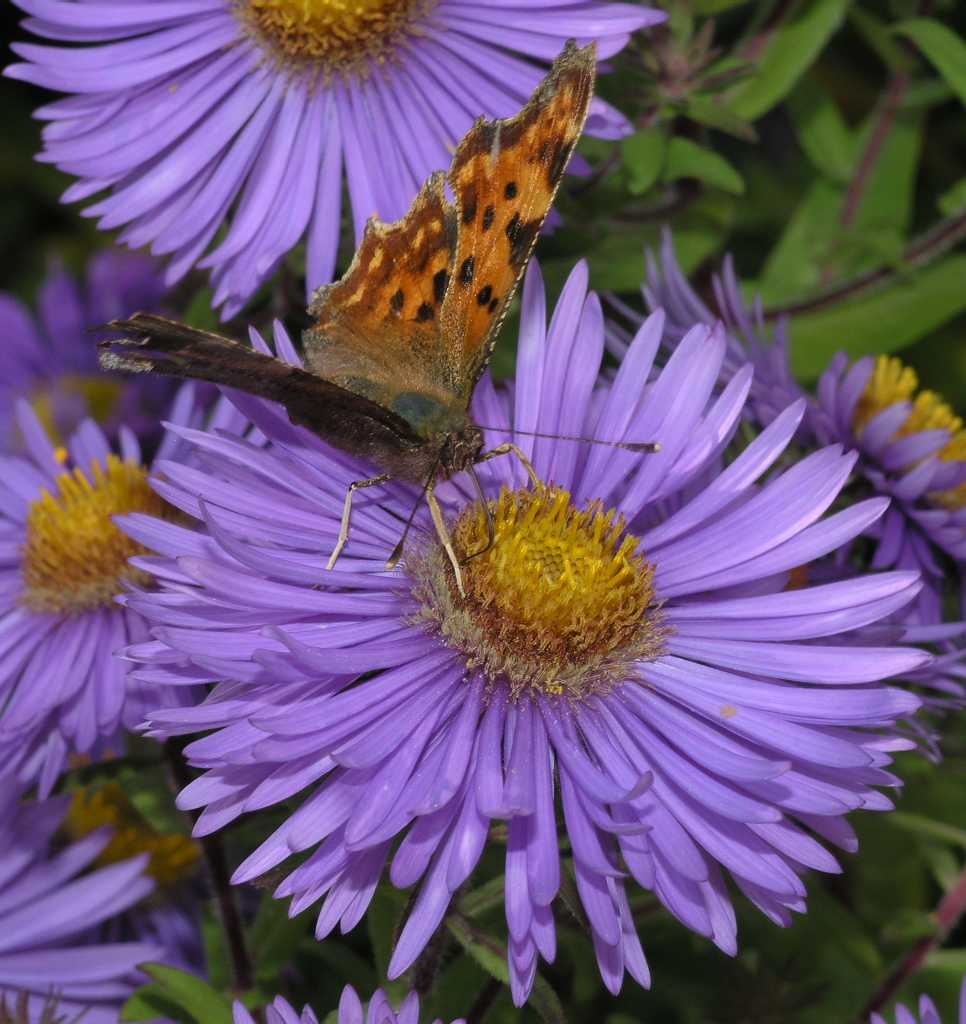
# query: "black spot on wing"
440 281
510 192
484 295
469 205
521 237
488 214
397 300
424 313
492 306
558 162
466 270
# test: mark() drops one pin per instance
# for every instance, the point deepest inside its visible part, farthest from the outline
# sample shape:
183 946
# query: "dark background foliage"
823 144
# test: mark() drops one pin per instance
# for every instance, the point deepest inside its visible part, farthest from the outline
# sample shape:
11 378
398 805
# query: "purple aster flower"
350 1011
912 447
626 652
50 359
928 1014
198 115
666 288
63 561
54 909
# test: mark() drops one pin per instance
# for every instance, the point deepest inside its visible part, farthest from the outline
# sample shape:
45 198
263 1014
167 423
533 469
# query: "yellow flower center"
561 603
75 558
892 382
173 857
100 394
339 35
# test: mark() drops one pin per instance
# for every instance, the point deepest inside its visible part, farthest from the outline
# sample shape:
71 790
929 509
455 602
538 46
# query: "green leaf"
788 52
890 189
942 47
877 34
490 954
200 312
915 304
816 247
822 131
274 937
706 7
382 919
487 897
192 997
949 959
792 268
686 159
643 154
706 110
152 1003
348 966
953 200
926 826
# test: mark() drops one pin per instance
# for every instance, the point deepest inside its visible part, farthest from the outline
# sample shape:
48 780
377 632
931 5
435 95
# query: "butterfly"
399 343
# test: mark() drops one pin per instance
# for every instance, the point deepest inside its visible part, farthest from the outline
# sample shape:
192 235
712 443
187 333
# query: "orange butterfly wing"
377 330
505 175
420 306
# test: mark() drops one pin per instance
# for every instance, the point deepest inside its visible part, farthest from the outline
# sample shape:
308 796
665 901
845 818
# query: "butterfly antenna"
485 505
397 551
644 447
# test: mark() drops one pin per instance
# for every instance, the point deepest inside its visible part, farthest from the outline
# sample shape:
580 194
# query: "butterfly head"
461 449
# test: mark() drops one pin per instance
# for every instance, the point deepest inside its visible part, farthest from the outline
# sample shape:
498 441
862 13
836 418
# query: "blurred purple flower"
196 115
350 1011
692 715
51 359
928 1014
774 386
54 907
63 562
912 448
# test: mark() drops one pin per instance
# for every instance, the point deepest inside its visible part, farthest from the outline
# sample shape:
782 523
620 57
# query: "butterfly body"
401 340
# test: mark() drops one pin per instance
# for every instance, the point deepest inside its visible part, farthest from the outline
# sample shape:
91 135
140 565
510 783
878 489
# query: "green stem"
220 878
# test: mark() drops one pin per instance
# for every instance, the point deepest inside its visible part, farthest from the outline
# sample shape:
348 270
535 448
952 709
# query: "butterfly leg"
510 448
437 513
347 513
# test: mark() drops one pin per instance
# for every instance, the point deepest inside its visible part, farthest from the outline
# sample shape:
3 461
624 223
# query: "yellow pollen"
75 558
100 395
892 382
561 603
333 35
173 857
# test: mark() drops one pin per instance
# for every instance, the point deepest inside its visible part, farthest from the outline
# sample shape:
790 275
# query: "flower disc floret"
172 857
737 746
893 383
63 566
75 559
222 133
561 601
341 35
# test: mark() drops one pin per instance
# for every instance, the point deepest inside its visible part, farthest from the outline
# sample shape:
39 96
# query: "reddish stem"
948 913
891 102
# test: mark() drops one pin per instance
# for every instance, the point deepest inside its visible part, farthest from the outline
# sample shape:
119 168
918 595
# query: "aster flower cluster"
927 1012
71 916
379 1011
252 115
49 361
656 655
627 652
